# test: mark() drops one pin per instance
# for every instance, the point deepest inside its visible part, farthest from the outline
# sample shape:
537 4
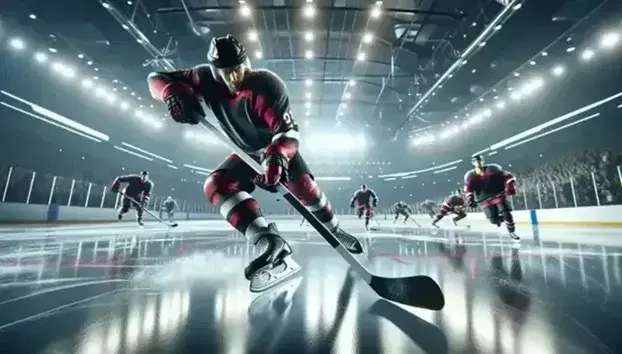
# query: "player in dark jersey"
364 200
253 109
490 185
455 204
402 208
169 205
138 188
429 206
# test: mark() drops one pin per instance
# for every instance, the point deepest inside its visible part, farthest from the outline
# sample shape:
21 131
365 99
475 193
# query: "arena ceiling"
369 65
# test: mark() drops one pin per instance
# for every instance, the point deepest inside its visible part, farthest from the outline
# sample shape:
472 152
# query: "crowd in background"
592 177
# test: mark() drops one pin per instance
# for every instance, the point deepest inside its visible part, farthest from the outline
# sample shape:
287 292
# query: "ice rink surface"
114 288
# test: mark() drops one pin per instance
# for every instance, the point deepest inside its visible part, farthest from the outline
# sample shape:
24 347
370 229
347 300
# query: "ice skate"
274 265
514 236
140 222
120 217
348 241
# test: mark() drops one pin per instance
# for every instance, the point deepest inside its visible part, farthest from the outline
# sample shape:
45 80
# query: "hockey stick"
418 291
150 213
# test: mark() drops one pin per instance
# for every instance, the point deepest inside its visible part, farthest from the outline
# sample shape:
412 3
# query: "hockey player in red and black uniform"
490 185
402 208
455 204
364 200
138 188
253 109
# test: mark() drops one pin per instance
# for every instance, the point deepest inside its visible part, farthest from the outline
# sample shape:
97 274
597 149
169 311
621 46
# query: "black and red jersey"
255 118
488 184
136 186
364 198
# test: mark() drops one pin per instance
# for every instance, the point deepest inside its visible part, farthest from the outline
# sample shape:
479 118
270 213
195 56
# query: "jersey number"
287 118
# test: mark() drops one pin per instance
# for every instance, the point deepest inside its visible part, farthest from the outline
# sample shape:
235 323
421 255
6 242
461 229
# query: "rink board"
587 217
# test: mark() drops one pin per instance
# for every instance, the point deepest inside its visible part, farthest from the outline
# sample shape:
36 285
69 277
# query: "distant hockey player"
490 185
138 188
364 200
455 204
169 205
402 208
253 109
429 206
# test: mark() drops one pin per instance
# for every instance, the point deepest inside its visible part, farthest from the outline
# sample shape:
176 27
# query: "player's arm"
354 199
277 114
147 191
510 183
469 190
116 184
176 205
180 90
374 198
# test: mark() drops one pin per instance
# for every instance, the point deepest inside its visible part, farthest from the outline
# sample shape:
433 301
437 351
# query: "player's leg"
397 215
125 207
406 216
441 214
228 188
360 211
492 214
139 213
303 186
459 216
506 212
368 214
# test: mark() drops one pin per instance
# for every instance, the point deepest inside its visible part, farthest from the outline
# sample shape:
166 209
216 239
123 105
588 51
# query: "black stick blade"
175 225
417 291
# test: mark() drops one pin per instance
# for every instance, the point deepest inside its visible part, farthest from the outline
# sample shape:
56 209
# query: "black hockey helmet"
144 173
363 186
477 158
226 52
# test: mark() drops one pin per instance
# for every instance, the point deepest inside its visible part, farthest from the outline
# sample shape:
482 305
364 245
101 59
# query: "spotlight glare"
258 54
307 104
309 36
352 83
368 38
33 16
610 39
361 56
245 10
41 57
347 95
87 83
501 105
124 106
309 11
587 54
100 92
253 36
309 54
308 82
17 44
376 12
558 70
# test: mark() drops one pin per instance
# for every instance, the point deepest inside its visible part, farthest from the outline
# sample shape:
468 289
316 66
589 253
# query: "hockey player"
490 185
138 188
402 208
364 200
455 204
170 206
429 207
252 107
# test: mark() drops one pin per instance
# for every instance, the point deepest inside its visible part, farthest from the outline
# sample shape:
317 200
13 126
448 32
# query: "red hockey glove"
510 188
275 164
182 104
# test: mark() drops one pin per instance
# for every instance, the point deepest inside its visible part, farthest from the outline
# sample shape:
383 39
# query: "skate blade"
270 278
279 297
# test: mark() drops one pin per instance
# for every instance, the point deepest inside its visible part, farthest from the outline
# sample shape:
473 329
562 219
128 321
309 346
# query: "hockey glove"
352 205
375 204
470 200
183 106
510 188
114 189
275 165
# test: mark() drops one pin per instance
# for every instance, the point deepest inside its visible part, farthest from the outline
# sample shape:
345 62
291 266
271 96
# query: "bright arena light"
501 105
253 36
124 106
308 95
87 83
361 56
376 11
327 143
111 98
368 38
610 40
309 54
309 36
245 10
347 95
558 70
100 92
17 43
308 82
307 104
258 54
587 54
309 11
41 57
